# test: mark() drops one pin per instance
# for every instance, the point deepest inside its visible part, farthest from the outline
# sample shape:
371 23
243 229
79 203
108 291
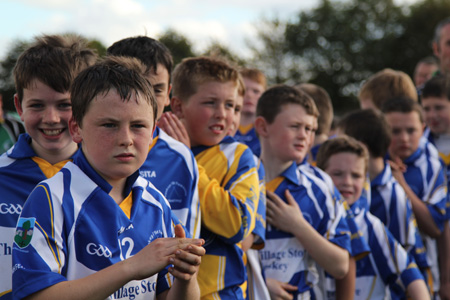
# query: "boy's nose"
125 138
219 112
51 115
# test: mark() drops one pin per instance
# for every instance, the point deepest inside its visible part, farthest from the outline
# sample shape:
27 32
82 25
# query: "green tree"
178 44
218 49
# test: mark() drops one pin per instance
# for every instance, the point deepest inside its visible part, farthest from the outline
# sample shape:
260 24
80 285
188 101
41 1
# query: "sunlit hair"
273 99
241 86
323 104
149 51
54 60
403 105
122 74
195 71
370 128
255 75
388 84
341 144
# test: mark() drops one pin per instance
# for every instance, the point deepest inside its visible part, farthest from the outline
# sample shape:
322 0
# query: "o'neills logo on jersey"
10 209
24 232
99 250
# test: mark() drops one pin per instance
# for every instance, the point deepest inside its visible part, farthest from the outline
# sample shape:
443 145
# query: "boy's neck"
246 119
376 166
273 167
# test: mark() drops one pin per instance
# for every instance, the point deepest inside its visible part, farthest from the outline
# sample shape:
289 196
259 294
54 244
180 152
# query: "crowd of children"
238 192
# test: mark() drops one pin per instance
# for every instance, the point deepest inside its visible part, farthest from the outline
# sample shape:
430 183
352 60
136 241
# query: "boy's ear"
177 107
261 126
75 131
167 102
18 106
435 49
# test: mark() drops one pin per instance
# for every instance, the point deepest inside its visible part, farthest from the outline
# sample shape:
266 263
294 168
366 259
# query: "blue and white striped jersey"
172 169
284 257
70 228
20 171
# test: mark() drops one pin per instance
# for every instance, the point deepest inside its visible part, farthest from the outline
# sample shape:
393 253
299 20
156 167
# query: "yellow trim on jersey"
244 129
47 168
445 158
274 183
153 143
211 275
126 205
5 292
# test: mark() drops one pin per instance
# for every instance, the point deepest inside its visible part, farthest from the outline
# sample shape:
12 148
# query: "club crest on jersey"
24 232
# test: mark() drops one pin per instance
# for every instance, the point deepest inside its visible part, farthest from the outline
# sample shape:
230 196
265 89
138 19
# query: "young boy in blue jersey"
435 96
203 98
346 161
418 170
305 224
170 165
255 85
97 229
388 200
43 75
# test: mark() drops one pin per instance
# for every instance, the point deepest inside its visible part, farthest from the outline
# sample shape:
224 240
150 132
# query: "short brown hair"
341 144
272 100
403 105
388 84
53 59
255 75
194 71
124 74
323 104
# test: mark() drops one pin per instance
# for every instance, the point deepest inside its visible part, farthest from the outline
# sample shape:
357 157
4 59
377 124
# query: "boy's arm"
443 242
345 287
184 254
425 220
288 217
417 290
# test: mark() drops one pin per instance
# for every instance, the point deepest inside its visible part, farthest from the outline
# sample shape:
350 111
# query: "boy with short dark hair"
418 170
388 200
306 224
43 75
170 165
255 85
346 160
204 96
96 229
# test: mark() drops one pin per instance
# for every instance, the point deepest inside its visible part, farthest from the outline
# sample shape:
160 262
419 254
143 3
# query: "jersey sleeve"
260 220
39 251
228 208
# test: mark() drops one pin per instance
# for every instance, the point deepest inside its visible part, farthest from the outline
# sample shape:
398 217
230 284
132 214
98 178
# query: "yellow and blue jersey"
284 257
229 195
171 167
388 264
20 171
70 228
247 135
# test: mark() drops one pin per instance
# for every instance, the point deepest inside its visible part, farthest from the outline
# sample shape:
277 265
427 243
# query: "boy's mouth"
52 132
217 128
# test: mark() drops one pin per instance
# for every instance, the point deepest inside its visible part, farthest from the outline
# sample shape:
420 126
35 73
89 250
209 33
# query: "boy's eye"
108 125
138 126
229 105
65 105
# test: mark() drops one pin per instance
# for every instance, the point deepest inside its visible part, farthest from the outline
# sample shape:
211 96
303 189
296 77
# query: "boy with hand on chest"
96 229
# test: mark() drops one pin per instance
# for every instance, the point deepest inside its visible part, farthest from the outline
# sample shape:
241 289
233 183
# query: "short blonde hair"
255 75
388 84
194 71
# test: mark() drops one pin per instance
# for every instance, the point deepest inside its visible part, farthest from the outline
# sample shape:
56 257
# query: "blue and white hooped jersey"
171 167
70 228
247 135
284 258
20 171
388 264
425 176
260 218
229 196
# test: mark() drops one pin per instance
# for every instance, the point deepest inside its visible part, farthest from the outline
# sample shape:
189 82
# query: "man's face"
442 49
423 72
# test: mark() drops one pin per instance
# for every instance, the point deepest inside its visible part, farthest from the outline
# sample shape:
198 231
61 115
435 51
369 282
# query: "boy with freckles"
97 229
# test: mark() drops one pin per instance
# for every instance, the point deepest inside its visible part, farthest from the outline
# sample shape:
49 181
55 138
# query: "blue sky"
231 22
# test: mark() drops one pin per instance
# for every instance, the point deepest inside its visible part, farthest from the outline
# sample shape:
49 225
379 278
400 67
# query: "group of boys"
121 200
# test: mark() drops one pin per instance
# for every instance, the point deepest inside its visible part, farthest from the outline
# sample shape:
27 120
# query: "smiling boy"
43 75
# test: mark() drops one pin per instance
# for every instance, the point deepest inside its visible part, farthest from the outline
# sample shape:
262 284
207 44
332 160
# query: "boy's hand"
280 290
283 215
186 262
398 168
174 127
164 251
